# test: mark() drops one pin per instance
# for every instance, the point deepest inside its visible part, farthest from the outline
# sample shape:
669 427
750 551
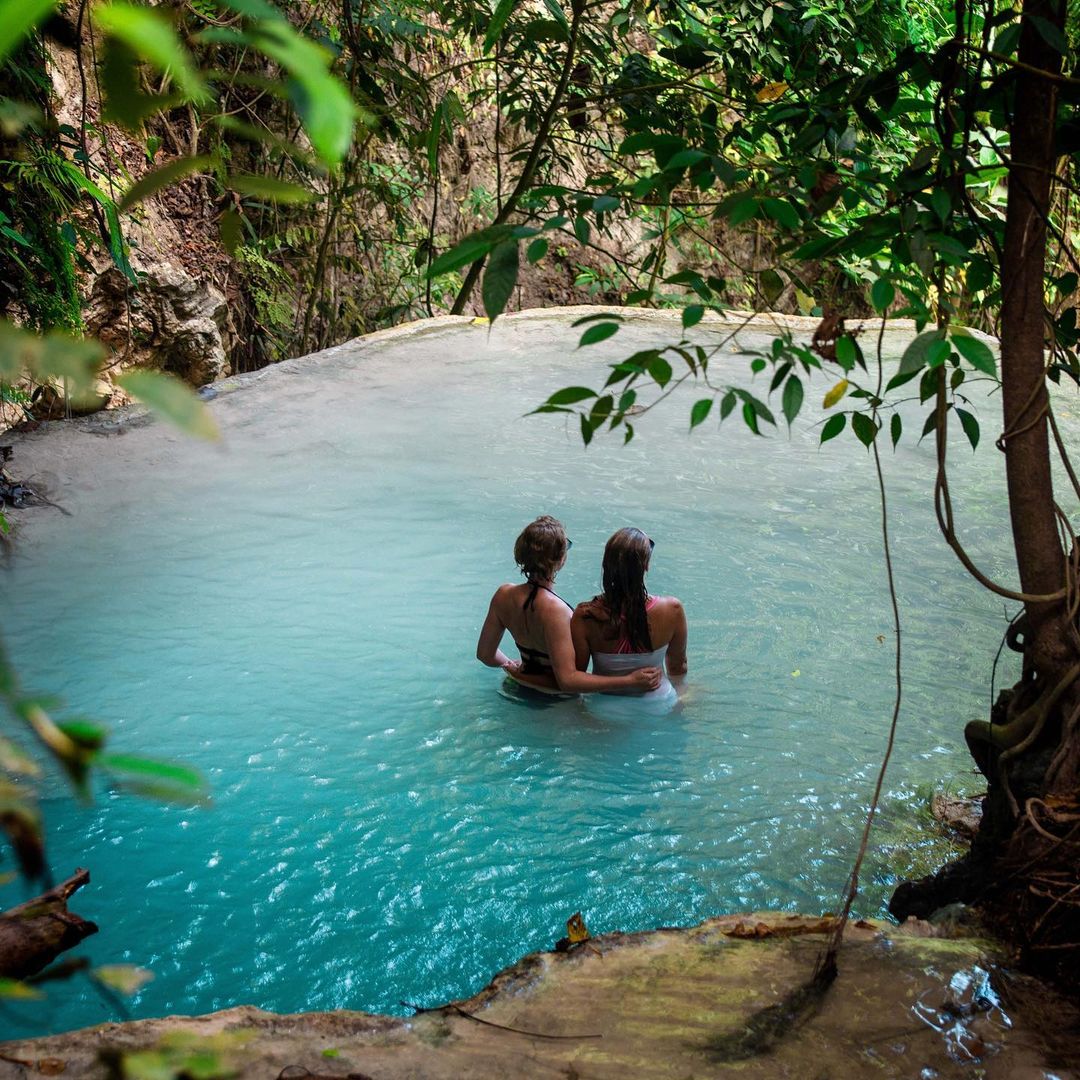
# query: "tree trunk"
1039 557
1022 870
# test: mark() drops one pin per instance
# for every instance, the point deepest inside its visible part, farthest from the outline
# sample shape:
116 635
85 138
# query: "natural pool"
295 613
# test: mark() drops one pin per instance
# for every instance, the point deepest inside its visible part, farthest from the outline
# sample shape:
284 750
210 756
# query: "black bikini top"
535 661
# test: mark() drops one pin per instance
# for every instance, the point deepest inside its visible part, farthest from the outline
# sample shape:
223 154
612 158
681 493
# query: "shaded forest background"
255 251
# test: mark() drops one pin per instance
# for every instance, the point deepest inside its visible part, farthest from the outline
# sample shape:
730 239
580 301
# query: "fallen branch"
33 934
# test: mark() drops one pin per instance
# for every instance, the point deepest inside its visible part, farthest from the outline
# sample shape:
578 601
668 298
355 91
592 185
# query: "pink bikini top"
623 645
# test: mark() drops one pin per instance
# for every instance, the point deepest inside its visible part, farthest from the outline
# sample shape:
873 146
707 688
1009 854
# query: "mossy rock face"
673 1004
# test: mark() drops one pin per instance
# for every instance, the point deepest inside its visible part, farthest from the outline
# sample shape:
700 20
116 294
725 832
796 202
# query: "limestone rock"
170 321
51 401
657 1005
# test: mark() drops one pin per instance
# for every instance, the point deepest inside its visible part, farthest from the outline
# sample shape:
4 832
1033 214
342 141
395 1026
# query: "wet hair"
626 558
541 547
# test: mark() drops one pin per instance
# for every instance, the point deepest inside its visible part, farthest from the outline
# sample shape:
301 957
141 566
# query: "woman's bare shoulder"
505 594
669 603
591 609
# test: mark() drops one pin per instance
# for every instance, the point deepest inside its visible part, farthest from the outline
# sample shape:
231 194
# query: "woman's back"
665 618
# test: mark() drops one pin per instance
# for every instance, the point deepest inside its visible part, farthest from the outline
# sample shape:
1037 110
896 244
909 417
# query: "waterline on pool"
296 614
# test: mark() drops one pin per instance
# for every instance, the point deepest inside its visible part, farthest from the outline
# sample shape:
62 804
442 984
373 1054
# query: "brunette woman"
539 622
625 629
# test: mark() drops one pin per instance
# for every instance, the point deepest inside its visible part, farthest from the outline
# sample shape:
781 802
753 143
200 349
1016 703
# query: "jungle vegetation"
850 160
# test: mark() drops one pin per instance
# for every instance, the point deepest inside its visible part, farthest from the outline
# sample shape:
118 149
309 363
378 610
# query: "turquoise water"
296 612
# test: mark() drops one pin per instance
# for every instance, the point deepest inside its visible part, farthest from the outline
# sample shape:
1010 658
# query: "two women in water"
630 637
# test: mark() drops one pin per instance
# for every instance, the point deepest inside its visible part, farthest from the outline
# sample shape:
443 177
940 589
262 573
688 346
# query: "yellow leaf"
480 320
796 673
835 394
125 978
575 929
772 91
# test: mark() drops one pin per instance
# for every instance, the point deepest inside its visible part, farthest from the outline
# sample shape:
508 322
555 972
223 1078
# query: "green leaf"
980 275
931 423
438 124
182 776
1050 33
557 12
882 295
54 355
970 426
833 426
323 102
475 246
581 229
499 19
270 188
941 203
660 370
605 204
692 315
14 989
253 9
172 399
86 735
771 284
743 209
684 158
17 19
699 411
792 398
896 427
846 352
727 403
915 355
117 247
937 354
500 277
600 331
152 36
570 395
537 249
865 429
161 178
977 353
782 211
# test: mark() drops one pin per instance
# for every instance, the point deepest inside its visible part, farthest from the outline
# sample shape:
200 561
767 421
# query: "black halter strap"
534 588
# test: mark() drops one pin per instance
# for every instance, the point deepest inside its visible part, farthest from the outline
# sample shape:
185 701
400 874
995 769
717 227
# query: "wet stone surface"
667 1003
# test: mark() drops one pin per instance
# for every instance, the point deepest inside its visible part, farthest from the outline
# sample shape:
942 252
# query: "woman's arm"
676 653
487 647
579 635
569 649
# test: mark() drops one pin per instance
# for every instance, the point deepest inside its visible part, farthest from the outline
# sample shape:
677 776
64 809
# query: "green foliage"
271 290
170 398
17 19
